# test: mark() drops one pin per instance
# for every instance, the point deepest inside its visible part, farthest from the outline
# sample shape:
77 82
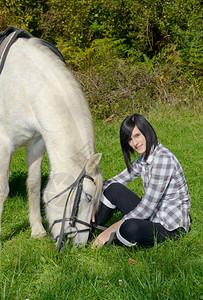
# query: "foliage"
30 268
24 14
116 86
146 26
127 54
68 21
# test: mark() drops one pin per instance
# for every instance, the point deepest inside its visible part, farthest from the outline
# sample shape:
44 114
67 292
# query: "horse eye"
88 197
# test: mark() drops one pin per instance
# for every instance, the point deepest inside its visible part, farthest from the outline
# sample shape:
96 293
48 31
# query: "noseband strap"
73 219
75 209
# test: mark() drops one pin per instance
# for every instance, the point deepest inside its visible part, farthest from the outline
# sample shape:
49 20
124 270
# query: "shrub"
127 54
24 14
118 88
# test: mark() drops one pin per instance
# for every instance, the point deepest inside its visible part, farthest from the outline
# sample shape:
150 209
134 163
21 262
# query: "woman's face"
137 141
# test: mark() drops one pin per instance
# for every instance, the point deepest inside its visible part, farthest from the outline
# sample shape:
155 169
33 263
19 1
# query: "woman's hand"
105 235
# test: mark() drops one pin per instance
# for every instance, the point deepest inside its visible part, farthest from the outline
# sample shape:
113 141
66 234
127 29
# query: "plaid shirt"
166 199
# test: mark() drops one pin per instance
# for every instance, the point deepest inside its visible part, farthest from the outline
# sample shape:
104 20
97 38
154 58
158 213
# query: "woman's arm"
125 177
105 235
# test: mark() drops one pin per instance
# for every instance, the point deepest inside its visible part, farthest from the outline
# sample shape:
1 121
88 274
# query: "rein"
73 219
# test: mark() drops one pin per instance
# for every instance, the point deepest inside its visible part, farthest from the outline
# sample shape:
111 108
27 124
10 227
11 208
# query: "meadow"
31 269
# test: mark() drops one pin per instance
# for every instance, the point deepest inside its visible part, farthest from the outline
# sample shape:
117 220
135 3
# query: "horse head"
70 201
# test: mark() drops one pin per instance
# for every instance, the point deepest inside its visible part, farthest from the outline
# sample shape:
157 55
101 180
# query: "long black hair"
144 127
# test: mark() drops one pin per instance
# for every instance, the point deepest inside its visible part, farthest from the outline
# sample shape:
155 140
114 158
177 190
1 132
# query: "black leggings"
136 231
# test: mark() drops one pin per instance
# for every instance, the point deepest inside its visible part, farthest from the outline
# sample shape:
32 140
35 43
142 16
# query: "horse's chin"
80 239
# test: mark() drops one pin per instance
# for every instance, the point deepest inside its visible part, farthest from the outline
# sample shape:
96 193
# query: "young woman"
164 208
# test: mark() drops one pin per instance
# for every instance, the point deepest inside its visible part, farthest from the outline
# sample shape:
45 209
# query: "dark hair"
144 127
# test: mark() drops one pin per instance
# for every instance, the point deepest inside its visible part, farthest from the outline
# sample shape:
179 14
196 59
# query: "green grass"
30 268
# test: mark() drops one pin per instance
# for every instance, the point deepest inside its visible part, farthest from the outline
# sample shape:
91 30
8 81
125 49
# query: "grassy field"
30 268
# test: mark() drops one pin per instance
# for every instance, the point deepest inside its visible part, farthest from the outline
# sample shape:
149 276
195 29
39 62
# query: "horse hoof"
39 234
38 231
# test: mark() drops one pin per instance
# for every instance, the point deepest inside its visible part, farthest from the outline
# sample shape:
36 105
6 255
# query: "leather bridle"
63 238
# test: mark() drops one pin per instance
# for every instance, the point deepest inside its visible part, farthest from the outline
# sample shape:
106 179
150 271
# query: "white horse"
43 108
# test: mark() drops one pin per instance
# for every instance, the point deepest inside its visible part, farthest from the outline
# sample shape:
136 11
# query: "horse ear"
93 163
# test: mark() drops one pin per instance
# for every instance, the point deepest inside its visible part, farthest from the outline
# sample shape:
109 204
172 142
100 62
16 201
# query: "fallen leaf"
133 261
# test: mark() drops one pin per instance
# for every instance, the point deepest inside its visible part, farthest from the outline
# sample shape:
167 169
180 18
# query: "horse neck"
60 111
68 149
69 137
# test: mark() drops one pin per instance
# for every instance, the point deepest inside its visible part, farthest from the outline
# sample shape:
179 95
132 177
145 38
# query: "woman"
163 210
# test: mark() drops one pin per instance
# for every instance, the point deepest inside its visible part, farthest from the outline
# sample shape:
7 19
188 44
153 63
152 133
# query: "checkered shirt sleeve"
125 177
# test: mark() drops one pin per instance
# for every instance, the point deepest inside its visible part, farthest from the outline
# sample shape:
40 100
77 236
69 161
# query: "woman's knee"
112 193
129 232
112 189
121 197
137 231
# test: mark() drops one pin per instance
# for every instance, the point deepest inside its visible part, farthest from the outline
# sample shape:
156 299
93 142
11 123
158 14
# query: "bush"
24 14
127 54
116 87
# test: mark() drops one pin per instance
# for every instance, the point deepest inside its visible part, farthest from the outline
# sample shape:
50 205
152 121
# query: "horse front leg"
5 158
35 154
